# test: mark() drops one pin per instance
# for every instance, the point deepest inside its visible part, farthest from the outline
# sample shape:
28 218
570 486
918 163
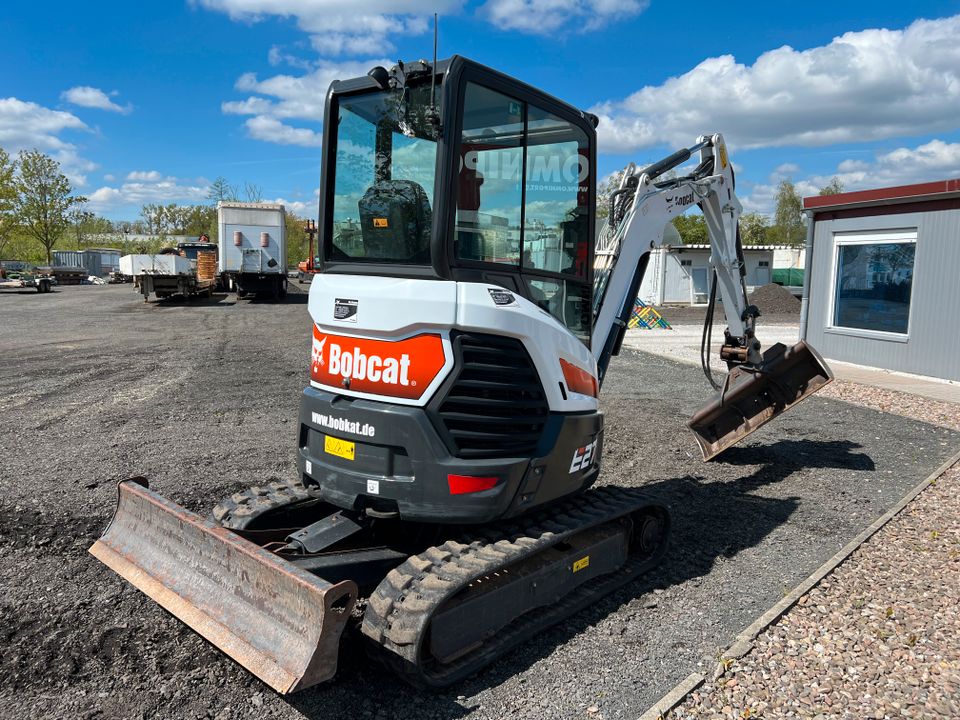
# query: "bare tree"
253 192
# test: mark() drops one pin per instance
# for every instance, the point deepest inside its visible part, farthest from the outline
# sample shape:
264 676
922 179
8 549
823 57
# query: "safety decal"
581 563
345 310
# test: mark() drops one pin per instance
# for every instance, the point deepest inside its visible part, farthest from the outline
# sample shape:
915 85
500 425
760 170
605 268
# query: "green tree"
8 199
754 228
604 189
788 226
834 187
221 189
155 219
197 219
298 245
82 221
692 229
44 199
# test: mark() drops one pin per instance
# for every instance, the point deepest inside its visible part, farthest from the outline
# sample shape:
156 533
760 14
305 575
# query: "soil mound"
774 300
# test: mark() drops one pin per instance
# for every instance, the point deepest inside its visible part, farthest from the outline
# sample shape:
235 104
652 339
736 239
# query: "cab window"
523 201
489 186
384 178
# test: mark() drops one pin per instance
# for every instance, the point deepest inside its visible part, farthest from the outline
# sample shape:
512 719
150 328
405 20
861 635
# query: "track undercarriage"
441 602
444 602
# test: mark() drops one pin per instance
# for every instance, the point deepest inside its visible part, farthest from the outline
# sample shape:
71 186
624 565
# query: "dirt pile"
774 300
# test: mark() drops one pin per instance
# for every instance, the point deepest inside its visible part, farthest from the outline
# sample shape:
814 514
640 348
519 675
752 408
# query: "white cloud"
27 125
861 86
144 176
91 97
935 160
543 17
787 169
109 178
359 27
291 97
277 56
303 208
272 130
146 187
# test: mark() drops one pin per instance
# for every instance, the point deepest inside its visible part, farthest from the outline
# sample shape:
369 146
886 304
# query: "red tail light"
463 484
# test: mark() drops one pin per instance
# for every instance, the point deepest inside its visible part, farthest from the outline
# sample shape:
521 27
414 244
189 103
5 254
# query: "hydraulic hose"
705 339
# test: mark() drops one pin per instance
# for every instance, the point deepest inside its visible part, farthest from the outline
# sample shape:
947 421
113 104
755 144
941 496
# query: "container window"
874 283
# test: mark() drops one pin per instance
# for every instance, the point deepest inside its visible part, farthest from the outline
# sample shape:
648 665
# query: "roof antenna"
434 116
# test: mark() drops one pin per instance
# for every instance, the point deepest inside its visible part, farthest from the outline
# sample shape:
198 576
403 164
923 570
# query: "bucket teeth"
752 397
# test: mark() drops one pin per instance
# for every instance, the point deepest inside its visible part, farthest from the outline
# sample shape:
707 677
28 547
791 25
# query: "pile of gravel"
774 300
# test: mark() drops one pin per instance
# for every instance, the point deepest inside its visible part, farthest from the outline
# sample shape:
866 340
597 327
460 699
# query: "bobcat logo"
317 354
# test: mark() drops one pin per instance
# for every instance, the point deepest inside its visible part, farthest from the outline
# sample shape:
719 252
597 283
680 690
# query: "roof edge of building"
884 196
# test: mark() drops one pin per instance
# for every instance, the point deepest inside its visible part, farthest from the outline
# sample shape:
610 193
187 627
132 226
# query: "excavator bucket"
752 397
278 621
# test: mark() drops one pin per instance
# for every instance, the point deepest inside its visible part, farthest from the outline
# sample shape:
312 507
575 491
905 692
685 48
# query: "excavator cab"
461 174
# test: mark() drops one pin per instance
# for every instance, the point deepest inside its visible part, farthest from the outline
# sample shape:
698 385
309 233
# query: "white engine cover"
376 309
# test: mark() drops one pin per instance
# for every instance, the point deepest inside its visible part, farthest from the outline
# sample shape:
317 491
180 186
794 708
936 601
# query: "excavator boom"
759 385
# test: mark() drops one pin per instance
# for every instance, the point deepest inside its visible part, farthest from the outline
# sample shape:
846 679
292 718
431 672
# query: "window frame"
452 76
445 89
468 270
840 239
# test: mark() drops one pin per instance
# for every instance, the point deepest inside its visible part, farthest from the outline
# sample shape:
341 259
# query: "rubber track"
242 508
398 613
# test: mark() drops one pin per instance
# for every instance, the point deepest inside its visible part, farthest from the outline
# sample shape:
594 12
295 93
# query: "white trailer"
253 248
165 275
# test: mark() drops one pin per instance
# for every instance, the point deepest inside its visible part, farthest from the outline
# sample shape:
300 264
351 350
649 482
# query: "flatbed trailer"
41 283
165 286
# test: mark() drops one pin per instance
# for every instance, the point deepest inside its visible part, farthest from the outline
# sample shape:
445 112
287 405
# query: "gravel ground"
682 343
202 398
935 412
878 638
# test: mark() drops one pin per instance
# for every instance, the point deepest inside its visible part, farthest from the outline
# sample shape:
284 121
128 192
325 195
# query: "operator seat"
395 220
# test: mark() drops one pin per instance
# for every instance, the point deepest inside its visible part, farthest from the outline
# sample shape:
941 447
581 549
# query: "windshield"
384 173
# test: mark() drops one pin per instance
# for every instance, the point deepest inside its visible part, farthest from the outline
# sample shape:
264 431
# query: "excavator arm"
759 385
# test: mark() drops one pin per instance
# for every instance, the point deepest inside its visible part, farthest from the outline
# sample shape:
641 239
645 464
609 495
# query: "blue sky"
148 102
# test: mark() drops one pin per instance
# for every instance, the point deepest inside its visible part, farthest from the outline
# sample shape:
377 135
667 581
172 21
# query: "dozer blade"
751 398
278 621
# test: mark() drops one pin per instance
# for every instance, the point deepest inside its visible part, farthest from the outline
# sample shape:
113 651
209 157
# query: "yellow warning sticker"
380 222
580 564
341 448
723 156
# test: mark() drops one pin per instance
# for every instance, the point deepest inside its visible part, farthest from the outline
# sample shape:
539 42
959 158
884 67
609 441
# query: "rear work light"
463 484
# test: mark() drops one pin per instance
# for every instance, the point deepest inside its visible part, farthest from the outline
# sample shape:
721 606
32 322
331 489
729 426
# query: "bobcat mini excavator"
463 322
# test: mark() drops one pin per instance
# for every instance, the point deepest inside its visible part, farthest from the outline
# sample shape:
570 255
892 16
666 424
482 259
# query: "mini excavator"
464 317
